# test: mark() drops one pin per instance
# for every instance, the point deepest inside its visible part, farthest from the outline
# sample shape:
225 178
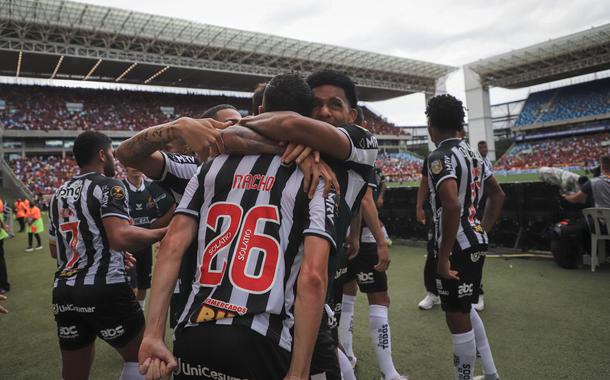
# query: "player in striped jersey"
244 297
457 179
89 229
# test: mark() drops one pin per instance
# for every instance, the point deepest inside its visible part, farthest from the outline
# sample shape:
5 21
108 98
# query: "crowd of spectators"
378 125
567 103
576 151
43 175
399 167
52 108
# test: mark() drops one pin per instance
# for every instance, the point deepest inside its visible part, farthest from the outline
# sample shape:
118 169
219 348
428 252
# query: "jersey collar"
449 139
133 188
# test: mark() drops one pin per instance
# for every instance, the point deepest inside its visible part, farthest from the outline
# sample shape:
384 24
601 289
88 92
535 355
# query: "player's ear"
353 113
101 155
260 109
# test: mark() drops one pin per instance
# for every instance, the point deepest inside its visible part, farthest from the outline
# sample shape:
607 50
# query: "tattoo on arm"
146 142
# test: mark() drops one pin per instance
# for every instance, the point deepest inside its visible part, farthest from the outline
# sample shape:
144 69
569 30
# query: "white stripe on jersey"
355 185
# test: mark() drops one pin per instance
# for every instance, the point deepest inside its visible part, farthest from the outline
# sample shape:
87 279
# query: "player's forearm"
308 309
492 211
133 238
242 140
422 192
164 220
134 151
371 218
355 226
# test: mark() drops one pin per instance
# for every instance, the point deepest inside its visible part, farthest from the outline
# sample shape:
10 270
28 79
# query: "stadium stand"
61 108
400 167
379 125
567 103
568 152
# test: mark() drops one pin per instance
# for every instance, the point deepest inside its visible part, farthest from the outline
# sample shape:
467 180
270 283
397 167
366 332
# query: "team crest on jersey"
475 256
117 193
436 167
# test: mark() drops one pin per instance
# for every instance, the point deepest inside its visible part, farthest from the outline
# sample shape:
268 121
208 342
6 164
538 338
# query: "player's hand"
383 257
202 136
352 247
311 175
156 361
2 309
330 178
444 270
298 153
129 260
421 215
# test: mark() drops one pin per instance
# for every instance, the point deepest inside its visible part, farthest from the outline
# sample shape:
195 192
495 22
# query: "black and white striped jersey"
253 217
178 169
84 256
455 159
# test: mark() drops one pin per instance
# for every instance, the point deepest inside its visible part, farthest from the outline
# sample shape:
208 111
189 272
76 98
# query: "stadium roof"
69 40
576 54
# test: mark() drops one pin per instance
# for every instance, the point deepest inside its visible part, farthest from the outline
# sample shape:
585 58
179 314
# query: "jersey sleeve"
372 179
114 201
177 171
322 214
488 171
364 145
192 199
441 166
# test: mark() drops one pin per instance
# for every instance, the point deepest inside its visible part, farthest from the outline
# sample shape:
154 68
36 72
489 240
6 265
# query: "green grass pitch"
543 322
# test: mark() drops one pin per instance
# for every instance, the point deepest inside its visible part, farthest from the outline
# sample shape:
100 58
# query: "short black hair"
88 144
446 112
359 116
288 92
482 142
213 111
257 97
338 79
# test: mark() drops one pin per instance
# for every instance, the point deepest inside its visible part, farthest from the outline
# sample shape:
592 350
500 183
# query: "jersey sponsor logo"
68 272
332 211
439 288
112 333
68 332
182 159
139 207
214 310
340 272
57 308
369 142
436 167
258 182
141 221
70 191
365 278
117 192
186 369
465 290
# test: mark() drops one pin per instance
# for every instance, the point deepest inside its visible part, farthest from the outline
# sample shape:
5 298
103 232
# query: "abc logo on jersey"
112 333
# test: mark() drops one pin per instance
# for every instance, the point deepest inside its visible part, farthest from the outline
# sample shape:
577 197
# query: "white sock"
382 341
130 372
142 303
347 372
464 355
489 367
346 324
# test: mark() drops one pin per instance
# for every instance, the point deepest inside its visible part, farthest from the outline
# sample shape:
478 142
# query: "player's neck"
135 181
92 169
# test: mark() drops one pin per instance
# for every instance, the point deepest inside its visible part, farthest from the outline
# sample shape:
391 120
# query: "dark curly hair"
335 78
288 92
446 113
213 111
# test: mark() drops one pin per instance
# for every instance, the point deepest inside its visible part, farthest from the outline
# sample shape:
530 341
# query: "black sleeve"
424 168
587 189
114 201
372 179
441 166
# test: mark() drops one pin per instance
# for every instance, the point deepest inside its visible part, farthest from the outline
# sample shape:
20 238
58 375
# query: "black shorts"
211 351
140 276
361 268
83 312
459 295
324 361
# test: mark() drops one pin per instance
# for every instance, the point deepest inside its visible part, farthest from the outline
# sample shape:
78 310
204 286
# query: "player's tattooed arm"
142 151
241 140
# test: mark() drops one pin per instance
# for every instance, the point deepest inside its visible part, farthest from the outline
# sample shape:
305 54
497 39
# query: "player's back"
454 158
253 216
84 256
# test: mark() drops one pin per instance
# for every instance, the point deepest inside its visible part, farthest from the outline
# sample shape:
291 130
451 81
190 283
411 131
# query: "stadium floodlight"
156 74
19 62
61 59
126 71
93 69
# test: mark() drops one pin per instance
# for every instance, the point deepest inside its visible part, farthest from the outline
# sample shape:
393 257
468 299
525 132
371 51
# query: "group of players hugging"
274 228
